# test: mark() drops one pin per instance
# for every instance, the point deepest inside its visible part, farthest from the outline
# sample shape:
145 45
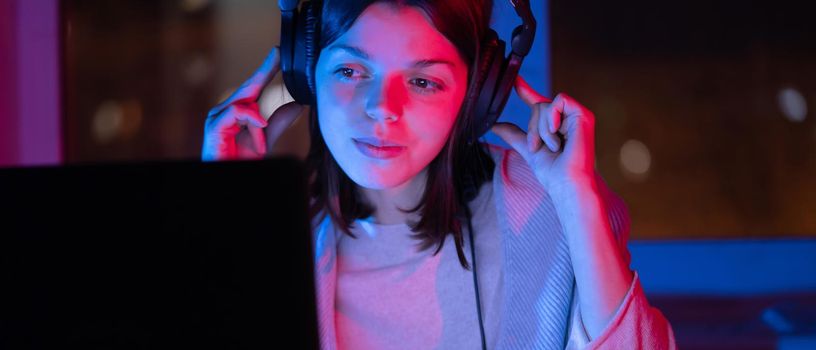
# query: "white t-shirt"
391 296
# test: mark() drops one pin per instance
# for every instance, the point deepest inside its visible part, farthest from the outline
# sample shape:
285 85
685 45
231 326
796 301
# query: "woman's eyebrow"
360 53
431 62
353 50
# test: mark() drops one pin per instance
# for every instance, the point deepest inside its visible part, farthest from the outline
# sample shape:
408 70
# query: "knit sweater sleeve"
635 325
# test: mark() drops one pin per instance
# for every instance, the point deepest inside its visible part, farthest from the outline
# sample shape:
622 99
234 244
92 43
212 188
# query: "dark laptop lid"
161 254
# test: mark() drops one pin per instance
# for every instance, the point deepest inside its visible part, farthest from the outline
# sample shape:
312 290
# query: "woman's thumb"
513 136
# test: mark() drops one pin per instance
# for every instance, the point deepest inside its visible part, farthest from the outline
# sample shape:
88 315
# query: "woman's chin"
374 176
376 183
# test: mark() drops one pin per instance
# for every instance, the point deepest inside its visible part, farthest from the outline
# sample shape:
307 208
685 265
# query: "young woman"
389 164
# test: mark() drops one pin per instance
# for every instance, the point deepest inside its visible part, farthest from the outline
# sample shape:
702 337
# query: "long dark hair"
457 168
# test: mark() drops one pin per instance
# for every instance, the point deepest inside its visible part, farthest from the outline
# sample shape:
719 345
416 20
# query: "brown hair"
456 168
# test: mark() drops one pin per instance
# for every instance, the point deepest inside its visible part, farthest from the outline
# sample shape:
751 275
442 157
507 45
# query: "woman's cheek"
436 123
341 94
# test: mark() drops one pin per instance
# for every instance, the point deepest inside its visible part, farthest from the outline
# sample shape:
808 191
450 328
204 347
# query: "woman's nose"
386 99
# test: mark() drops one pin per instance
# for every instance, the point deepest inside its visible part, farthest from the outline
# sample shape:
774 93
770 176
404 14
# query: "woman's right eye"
347 74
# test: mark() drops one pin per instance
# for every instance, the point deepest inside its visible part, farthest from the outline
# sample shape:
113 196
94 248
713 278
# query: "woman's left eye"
426 86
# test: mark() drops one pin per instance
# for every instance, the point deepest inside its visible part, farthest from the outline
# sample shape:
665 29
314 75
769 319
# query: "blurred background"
705 125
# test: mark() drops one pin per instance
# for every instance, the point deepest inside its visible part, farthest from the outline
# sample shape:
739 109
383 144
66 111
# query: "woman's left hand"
568 174
560 143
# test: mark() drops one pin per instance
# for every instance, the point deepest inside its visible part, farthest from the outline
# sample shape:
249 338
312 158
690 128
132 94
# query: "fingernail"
550 144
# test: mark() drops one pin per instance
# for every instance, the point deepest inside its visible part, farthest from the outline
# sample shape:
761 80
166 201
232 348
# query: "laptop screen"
165 254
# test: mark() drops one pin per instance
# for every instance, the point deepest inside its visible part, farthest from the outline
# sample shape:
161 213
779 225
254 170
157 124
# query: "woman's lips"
384 152
378 142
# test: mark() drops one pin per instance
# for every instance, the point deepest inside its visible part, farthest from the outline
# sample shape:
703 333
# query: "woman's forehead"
397 34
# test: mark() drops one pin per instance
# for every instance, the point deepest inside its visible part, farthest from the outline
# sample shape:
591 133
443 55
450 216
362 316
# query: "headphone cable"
475 280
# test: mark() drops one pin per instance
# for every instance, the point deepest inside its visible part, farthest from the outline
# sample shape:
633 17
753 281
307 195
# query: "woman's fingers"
527 94
235 127
258 140
251 89
550 123
245 144
221 134
533 140
555 118
236 116
245 98
541 122
514 136
553 143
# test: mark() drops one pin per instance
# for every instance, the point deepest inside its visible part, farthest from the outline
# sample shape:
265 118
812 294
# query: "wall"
30 104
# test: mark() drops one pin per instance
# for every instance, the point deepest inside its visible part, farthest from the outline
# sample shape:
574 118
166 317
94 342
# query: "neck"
387 202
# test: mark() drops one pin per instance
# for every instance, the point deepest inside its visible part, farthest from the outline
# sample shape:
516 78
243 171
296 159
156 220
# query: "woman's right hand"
235 129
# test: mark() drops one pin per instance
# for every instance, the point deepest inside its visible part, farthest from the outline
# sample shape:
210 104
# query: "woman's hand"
553 123
235 129
568 174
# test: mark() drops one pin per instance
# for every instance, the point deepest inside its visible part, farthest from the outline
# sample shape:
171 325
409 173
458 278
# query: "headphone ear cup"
287 49
310 34
303 54
492 60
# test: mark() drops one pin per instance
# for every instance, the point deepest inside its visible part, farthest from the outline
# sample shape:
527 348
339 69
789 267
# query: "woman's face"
391 77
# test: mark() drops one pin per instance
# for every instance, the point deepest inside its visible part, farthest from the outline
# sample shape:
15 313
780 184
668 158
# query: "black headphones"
496 76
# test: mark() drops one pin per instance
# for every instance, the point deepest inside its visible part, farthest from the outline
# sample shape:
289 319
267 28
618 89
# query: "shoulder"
522 203
513 176
515 181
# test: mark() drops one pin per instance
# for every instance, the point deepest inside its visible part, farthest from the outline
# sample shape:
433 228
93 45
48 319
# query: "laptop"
157 255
